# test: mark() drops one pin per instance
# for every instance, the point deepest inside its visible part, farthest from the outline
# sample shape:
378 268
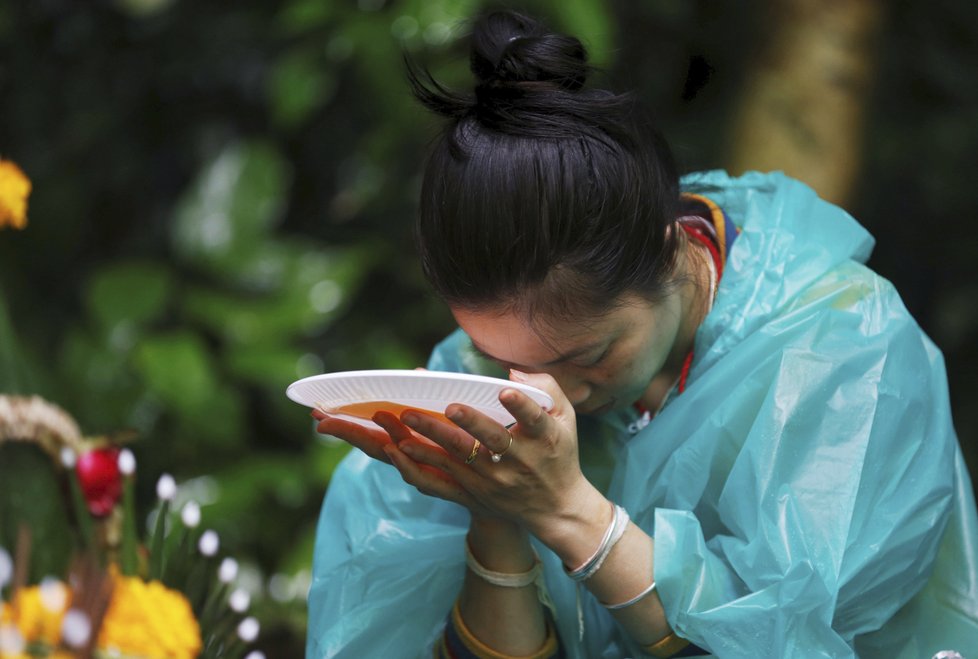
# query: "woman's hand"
538 482
369 440
373 441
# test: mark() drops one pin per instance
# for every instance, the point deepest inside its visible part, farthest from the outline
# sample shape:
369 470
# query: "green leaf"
299 16
299 84
31 495
217 425
307 288
96 381
135 292
14 375
237 199
592 22
177 367
267 366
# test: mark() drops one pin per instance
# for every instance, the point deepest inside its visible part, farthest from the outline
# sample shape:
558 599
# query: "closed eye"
595 360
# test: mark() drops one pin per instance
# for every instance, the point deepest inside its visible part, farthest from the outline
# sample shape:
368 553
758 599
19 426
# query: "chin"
592 410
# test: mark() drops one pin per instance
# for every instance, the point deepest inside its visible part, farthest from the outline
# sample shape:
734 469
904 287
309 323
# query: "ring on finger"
475 452
496 457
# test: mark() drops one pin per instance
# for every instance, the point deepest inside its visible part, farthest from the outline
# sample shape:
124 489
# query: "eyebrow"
573 354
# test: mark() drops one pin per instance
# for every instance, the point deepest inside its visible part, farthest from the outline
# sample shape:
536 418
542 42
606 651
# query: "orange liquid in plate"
367 409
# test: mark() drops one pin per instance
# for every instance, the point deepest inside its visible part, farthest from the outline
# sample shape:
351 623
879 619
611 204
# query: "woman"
751 451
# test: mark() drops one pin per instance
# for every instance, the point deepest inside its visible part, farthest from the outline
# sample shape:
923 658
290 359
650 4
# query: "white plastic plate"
356 395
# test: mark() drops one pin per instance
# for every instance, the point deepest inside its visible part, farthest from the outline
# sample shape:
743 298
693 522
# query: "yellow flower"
149 620
36 616
14 189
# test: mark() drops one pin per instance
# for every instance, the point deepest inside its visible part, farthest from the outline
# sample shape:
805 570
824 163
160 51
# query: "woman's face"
600 364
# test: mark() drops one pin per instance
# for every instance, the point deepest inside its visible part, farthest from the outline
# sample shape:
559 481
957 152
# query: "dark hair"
540 194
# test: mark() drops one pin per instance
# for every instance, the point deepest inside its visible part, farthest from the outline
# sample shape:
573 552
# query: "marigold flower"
31 613
149 620
14 190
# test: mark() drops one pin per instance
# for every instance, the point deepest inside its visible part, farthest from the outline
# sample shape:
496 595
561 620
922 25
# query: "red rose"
101 483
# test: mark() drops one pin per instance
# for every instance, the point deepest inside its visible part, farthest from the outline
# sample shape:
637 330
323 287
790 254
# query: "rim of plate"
540 396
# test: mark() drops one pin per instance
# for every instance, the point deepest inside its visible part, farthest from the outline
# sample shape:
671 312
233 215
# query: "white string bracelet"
638 598
504 579
532 576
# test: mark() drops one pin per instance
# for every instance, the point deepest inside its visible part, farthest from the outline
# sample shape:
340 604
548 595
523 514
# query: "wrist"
500 545
575 531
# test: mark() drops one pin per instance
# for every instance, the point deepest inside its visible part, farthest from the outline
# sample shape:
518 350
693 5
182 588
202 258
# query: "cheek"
618 373
635 367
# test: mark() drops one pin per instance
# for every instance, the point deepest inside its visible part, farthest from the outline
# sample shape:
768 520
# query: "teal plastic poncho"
806 492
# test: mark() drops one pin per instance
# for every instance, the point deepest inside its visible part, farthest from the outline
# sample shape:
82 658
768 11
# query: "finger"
494 436
435 457
389 422
562 407
532 420
458 443
397 430
428 481
369 441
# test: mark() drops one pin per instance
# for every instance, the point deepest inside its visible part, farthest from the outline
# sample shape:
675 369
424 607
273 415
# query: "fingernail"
409 418
407 449
455 415
519 376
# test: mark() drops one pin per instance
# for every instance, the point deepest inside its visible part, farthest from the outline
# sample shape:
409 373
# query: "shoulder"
764 203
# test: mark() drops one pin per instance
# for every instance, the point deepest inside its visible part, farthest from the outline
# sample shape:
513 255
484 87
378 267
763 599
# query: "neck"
699 286
695 304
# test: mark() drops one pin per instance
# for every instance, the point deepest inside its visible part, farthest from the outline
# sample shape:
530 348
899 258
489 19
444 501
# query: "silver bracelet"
573 574
619 522
642 595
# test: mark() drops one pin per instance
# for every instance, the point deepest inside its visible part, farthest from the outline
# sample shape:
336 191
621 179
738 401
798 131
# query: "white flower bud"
76 628
190 514
127 462
54 595
166 487
228 570
239 601
11 641
255 654
6 567
248 629
209 543
68 457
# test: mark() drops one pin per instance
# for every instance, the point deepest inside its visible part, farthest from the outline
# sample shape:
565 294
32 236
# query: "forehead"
512 337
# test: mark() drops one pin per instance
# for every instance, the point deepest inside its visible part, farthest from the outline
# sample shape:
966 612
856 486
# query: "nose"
577 391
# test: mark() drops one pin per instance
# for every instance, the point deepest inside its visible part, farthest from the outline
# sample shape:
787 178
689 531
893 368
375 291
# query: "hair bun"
513 50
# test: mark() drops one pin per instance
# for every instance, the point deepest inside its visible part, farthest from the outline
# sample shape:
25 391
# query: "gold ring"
475 452
496 457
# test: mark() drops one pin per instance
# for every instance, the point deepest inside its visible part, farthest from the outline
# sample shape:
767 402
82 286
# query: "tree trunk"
802 107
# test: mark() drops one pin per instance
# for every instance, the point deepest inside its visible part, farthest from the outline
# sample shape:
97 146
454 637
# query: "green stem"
81 513
129 560
156 543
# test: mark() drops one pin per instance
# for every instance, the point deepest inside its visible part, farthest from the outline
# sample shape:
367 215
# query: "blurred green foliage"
223 196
